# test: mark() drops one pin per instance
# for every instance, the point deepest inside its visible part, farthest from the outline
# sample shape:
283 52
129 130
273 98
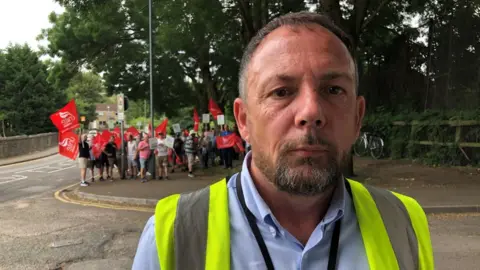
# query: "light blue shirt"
286 251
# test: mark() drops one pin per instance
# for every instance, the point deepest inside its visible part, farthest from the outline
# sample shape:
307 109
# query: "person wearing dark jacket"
83 157
110 151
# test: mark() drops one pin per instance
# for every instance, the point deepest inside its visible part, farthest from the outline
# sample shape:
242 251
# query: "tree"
87 89
110 37
27 98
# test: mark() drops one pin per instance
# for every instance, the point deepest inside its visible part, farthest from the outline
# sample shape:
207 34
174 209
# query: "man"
227 152
162 157
91 163
290 207
83 157
131 156
178 152
110 151
143 153
203 150
190 151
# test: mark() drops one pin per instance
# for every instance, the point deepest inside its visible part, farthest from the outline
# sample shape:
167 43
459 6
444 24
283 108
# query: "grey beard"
298 182
310 180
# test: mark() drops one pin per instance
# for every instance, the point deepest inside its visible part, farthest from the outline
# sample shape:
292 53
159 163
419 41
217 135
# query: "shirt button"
273 231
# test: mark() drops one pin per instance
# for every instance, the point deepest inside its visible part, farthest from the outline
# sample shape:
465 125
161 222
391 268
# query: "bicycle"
369 143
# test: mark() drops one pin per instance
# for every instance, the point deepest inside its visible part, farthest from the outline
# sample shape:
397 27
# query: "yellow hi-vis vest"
192 230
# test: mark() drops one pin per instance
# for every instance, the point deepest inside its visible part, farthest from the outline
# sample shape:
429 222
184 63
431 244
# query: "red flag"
178 161
97 145
230 140
116 131
131 131
118 139
66 118
196 119
106 135
214 109
68 144
162 127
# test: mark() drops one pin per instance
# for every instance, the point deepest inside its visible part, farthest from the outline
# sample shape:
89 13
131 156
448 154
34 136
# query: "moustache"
310 139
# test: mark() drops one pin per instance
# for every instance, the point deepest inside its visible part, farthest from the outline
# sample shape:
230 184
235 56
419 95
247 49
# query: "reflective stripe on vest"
197 226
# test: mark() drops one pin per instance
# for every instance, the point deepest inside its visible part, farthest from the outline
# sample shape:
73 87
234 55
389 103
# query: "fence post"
458 134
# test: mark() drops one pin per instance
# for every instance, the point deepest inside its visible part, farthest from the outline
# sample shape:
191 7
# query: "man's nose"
309 109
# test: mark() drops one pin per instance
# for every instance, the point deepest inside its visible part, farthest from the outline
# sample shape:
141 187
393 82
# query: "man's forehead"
279 49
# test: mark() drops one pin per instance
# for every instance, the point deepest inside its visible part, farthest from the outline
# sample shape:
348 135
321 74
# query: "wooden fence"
462 139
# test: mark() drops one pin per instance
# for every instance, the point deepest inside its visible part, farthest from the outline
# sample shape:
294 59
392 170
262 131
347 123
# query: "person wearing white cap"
190 149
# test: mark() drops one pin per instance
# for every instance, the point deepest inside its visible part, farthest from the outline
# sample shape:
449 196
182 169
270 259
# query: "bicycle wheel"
360 147
376 147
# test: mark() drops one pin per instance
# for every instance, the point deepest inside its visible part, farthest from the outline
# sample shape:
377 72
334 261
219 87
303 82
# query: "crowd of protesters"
189 148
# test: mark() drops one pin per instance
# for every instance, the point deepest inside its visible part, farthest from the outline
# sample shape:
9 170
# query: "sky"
21 21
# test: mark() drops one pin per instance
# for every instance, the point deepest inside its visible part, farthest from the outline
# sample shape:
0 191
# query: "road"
39 232
36 177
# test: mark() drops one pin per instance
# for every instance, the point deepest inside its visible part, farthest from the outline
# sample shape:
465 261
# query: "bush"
398 138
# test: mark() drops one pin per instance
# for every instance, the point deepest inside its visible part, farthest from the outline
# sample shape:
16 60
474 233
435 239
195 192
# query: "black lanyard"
332 257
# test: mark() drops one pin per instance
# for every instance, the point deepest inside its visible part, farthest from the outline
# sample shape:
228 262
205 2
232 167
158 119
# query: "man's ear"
360 113
240 112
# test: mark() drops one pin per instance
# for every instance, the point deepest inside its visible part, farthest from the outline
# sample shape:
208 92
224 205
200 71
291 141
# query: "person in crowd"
83 157
162 157
227 152
178 152
203 151
91 164
190 151
143 154
110 151
132 146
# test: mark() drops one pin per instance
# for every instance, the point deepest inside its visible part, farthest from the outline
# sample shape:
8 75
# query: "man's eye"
334 90
281 92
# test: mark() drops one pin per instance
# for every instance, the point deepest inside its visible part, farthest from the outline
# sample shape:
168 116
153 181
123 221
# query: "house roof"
104 107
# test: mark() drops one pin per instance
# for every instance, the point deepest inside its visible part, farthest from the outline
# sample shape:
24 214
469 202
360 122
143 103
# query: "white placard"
221 119
176 128
205 118
153 143
120 104
168 141
121 116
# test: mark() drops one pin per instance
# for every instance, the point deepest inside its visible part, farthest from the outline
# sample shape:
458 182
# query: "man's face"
301 113
112 139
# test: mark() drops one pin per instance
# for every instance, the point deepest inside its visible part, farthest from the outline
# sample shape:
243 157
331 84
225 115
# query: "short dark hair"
303 18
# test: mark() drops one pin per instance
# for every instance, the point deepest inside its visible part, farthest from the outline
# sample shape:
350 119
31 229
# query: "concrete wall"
23 145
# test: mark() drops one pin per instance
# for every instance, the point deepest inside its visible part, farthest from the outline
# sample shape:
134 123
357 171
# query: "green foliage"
27 99
87 89
398 138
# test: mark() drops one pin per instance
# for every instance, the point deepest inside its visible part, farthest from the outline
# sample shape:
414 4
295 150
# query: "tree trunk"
3 128
431 29
448 83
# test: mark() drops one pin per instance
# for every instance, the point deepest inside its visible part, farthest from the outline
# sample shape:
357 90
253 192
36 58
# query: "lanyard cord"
332 257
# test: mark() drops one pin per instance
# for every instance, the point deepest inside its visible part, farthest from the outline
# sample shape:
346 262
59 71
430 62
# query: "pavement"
458 197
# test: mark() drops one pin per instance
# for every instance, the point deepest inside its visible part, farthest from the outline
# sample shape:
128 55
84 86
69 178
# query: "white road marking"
14 178
62 169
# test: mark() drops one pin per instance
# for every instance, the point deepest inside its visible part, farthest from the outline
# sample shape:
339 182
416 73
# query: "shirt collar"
261 211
